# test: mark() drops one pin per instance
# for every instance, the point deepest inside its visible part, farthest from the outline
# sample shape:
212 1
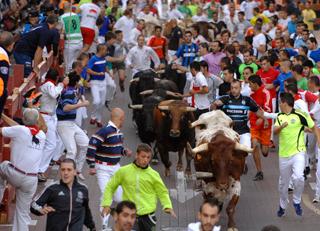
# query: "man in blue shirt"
314 51
188 51
285 68
31 44
70 133
98 72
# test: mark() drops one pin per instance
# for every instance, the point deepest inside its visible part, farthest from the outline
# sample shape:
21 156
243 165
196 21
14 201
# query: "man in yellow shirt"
309 16
141 185
290 125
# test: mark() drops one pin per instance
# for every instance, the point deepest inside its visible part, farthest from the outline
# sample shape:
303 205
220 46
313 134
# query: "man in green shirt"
141 185
290 125
302 82
247 58
184 9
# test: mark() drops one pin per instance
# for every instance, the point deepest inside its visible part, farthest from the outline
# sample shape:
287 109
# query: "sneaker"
258 176
93 121
306 172
280 212
316 199
99 124
290 190
121 84
81 177
52 163
155 160
298 209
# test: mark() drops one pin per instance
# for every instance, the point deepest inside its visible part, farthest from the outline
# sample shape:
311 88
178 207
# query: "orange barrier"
17 86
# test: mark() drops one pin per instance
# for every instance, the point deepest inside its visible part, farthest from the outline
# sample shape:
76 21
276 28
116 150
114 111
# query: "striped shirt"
188 53
68 96
106 145
97 64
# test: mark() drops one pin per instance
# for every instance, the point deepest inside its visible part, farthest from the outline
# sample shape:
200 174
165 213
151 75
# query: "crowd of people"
258 61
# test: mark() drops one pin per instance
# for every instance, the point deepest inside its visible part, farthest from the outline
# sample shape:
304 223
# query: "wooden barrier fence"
17 86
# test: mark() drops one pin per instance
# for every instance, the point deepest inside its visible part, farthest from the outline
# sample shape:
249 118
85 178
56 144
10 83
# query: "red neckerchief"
193 102
297 97
49 80
33 129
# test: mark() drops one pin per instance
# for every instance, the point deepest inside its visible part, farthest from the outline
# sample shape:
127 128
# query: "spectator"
27 143
149 185
6 47
314 51
248 62
241 27
173 12
70 133
53 201
30 46
209 215
105 151
309 15
175 38
188 51
302 82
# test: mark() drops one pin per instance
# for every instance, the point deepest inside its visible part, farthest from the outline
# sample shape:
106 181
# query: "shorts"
119 65
88 35
262 135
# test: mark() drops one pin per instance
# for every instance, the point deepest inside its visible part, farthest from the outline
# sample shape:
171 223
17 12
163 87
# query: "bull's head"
224 155
176 109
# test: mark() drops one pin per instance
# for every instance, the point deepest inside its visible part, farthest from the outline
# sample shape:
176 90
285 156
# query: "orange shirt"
158 45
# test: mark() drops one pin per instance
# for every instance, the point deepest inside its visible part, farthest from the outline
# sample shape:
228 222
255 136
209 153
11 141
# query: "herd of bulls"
163 117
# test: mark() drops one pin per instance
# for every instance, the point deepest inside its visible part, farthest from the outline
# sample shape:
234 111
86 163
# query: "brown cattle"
219 162
172 120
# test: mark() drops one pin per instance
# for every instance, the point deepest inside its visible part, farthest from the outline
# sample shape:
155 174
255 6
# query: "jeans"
24 59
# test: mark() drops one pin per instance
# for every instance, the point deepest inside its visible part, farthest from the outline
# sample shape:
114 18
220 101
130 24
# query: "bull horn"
196 123
165 108
171 93
242 147
146 92
134 80
156 79
201 148
204 174
190 109
135 106
160 71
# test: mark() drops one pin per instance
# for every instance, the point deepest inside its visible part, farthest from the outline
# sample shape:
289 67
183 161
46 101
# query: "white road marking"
181 193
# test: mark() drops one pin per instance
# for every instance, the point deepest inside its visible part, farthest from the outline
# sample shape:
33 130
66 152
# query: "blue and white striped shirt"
106 145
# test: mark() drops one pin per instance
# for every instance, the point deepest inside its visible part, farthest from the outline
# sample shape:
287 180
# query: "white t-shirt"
201 18
197 226
89 15
25 154
125 24
259 39
245 89
200 101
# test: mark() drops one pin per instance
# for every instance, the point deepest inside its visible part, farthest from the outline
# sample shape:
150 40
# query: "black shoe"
106 103
258 176
290 190
42 177
306 172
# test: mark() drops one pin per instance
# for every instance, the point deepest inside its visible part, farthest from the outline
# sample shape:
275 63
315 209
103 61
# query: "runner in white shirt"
125 24
89 15
27 143
198 90
134 34
208 215
174 13
140 56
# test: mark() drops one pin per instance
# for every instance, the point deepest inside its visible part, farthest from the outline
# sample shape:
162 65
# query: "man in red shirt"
260 129
159 44
268 74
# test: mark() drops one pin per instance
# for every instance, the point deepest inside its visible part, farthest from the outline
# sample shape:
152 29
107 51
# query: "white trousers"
104 174
245 139
51 142
291 167
25 187
81 115
70 54
59 149
318 176
73 136
111 88
99 92
312 149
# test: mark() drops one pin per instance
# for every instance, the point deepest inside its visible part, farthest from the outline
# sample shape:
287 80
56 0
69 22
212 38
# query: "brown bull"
220 163
172 121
